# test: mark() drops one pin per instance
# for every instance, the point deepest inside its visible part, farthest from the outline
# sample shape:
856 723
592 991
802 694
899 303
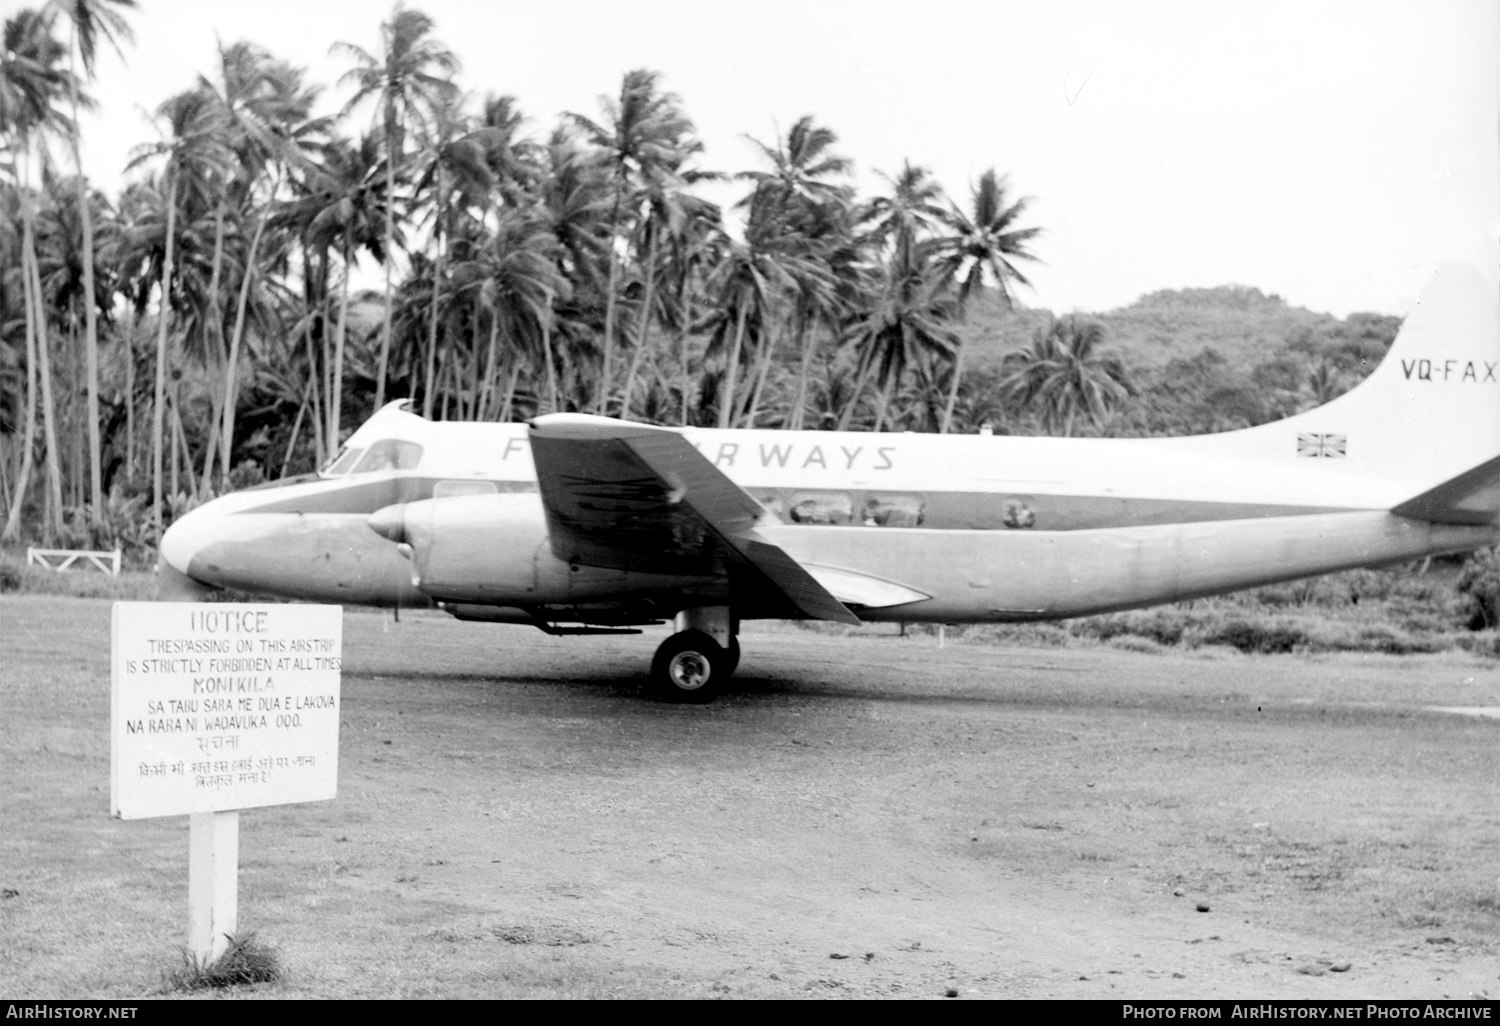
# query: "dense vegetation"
202 329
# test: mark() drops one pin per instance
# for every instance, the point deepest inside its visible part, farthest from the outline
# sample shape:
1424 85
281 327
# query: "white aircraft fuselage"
906 527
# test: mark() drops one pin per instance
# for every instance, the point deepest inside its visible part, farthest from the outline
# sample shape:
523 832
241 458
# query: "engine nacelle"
494 550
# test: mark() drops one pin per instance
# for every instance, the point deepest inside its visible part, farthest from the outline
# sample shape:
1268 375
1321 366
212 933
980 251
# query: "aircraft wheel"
688 667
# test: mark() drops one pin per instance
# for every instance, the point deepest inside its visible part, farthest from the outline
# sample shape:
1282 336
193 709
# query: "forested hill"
1209 359
1240 323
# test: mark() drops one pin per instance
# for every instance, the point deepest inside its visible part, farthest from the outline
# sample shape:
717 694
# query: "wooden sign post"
217 708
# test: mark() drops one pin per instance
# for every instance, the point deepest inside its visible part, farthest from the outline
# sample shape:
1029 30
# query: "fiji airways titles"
791 455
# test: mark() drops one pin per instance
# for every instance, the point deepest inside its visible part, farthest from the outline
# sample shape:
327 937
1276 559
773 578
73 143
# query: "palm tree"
1063 369
819 212
644 133
273 111
458 167
905 318
575 198
60 261
691 254
912 209
31 86
906 325
342 208
752 283
91 21
403 81
668 213
195 147
517 274
986 243
801 165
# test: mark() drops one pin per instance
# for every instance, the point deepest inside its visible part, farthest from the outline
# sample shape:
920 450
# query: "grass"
244 962
516 820
1399 611
1392 612
19 576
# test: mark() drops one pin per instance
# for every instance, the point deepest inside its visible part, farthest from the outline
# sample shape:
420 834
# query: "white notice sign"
218 706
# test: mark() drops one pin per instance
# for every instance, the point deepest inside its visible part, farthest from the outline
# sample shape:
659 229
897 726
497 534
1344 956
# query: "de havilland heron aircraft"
582 524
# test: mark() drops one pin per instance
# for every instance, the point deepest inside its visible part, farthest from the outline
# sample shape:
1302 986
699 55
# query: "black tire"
688 668
730 658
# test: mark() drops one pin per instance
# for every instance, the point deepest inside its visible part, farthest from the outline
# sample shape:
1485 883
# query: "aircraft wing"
637 498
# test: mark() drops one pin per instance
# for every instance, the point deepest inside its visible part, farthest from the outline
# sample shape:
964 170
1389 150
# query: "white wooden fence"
107 562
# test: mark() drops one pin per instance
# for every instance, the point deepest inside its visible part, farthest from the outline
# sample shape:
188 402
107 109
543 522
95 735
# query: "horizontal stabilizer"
865 590
1472 497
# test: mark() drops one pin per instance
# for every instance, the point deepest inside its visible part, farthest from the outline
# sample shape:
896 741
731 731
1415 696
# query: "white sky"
1333 152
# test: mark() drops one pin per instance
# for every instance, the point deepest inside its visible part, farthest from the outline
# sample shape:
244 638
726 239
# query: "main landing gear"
691 665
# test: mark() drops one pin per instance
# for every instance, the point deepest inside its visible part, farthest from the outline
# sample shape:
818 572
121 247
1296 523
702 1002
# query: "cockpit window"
389 454
342 462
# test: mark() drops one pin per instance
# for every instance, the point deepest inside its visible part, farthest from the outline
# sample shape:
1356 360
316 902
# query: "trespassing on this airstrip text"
218 707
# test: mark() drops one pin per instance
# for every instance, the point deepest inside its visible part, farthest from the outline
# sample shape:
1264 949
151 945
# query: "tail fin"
1426 422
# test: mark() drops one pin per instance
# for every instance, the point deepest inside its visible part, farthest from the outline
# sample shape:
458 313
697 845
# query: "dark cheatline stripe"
994 511
362 496
973 511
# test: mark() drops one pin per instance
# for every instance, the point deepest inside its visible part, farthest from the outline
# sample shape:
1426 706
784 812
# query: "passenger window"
772 504
1019 512
389 454
448 489
342 462
892 511
822 507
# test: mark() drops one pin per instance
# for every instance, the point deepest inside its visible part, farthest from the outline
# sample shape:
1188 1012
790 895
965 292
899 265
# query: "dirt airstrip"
858 816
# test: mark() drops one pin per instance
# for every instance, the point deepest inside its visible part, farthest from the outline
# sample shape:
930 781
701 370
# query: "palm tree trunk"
548 356
230 368
163 316
885 403
804 369
53 519
485 402
510 390
319 454
291 446
640 335
182 456
958 369
129 343
432 327
684 383
601 398
90 315
18 501
214 327
390 242
336 388
76 465
726 393
767 349
865 364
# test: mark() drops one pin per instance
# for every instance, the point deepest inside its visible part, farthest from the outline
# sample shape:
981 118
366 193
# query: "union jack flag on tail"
1327 446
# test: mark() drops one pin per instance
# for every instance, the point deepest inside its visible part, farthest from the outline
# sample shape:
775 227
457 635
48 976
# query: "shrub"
1249 636
12 574
1479 585
1164 626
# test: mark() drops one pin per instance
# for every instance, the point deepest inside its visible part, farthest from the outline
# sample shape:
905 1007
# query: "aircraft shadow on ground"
751 691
